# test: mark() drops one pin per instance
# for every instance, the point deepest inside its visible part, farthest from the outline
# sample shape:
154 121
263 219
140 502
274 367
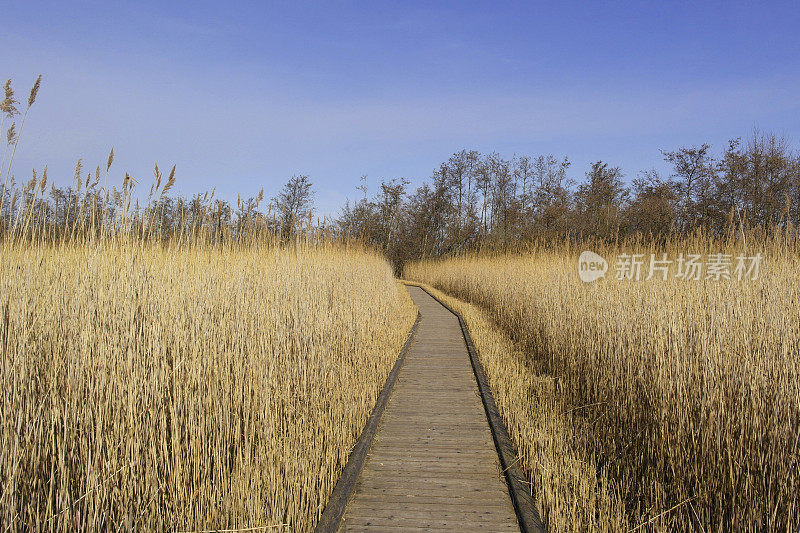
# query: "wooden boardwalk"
432 464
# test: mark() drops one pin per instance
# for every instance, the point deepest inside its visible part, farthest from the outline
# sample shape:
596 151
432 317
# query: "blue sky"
241 95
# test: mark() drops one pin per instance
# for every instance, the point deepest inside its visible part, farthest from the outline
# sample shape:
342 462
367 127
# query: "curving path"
433 463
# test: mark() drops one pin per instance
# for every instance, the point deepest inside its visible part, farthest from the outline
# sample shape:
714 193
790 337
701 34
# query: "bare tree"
761 180
599 200
294 203
548 197
654 208
694 170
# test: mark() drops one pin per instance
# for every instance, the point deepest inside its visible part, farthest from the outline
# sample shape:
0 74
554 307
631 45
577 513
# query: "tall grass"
677 402
172 365
152 387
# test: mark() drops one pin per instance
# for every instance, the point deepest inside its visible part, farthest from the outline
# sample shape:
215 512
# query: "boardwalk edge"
334 510
527 514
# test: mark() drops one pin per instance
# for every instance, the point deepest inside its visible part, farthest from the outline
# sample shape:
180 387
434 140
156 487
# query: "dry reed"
151 387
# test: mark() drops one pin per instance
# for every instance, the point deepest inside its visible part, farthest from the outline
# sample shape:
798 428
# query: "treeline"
475 200
471 201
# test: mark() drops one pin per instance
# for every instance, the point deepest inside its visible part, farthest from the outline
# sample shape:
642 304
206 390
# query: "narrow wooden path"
432 464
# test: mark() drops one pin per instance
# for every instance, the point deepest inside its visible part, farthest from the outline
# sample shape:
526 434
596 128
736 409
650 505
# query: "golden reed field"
151 386
643 405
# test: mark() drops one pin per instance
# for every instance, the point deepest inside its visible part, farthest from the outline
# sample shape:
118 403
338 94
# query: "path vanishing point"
432 464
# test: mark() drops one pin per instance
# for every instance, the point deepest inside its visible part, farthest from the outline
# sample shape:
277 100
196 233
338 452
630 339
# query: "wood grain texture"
433 464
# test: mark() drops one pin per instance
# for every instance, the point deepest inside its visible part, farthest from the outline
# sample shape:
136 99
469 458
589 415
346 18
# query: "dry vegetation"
654 404
150 386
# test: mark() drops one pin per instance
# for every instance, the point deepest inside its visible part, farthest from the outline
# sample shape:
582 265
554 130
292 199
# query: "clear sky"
241 96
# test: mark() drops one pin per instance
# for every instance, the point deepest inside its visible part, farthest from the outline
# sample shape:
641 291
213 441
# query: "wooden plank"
427 500
432 463
429 523
412 512
438 492
390 529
